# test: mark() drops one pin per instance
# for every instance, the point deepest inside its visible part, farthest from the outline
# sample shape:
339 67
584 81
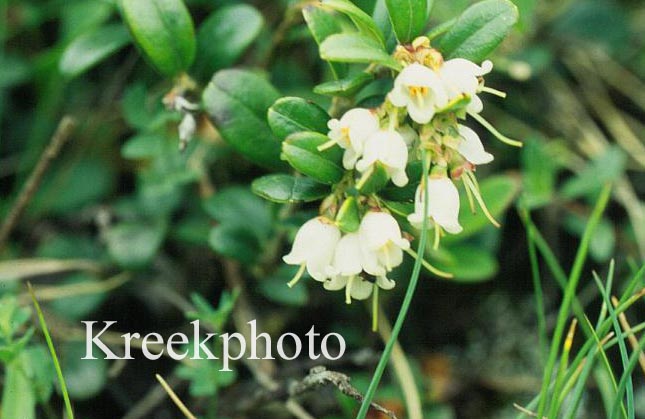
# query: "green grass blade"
52 351
569 294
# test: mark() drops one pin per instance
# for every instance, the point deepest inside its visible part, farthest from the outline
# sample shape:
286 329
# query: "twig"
154 396
320 376
182 407
402 370
57 141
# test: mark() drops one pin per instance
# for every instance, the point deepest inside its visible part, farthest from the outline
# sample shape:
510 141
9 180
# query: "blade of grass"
569 294
414 278
560 378
627 376
52 351
617 329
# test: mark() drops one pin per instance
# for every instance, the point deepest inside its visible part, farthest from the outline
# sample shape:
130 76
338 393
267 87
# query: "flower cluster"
419 121
339 260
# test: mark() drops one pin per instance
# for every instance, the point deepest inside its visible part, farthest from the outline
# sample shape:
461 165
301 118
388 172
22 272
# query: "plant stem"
414 278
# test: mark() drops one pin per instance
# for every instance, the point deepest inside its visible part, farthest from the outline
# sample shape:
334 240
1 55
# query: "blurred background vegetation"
126 227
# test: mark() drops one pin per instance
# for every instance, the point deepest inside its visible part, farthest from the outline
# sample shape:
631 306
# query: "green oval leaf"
467 263
163 31
356 48
225 35
321 24
301 151
362 20
408 18
286 188
90 48
344 87
479 30
289 115
237 102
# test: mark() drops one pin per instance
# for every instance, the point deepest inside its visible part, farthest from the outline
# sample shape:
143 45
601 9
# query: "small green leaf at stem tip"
163 30
301 151
408 18
289 115
364 22
479 30
356 48
237 101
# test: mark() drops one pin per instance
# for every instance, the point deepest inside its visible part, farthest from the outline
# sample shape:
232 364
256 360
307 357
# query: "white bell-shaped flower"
347 264
351 131
387 147
443 205
314 248
382 244
460 76
420 90
470 146
356 287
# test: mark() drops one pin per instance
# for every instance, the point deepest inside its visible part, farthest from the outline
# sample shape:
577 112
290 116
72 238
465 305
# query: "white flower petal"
347 257
361 289
336 283
314 245
385 283
471 146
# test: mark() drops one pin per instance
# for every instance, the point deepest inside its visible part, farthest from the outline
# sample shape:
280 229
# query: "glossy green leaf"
356 48
301 151
163 31
348 218
408 18
603 241
286 188
90 48
321 24
362 20
289 115
344 87
224 36
133 244
498 193
237 102
479 30
467 263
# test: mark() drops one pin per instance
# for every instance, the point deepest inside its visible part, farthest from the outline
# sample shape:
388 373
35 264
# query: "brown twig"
57 141
321 376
